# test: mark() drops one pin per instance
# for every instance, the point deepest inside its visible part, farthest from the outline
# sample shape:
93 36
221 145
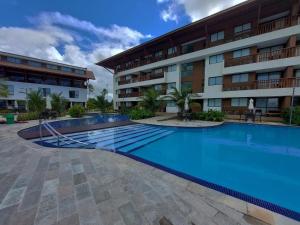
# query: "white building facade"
23 74
249 51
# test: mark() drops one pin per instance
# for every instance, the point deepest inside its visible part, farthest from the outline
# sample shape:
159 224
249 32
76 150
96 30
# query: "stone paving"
43 186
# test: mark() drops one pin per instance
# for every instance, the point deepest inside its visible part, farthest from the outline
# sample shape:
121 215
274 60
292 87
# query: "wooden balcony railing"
266 56
263 84
129 95
229 37
146 77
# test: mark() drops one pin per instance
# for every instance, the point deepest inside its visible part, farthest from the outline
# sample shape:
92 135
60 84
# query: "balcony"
130 95
263 84
266 56
230 36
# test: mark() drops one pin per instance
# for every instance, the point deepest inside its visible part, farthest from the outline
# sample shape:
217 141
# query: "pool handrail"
56 134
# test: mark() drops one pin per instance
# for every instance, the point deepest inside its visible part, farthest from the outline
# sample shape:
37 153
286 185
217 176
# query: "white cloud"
197 9
58 37
169 13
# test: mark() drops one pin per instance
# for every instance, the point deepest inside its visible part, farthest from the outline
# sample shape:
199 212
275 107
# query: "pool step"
140 143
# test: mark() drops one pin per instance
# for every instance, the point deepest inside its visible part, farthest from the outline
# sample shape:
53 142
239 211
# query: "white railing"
60 137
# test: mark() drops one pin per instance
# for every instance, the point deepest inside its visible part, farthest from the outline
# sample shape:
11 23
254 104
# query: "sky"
83 32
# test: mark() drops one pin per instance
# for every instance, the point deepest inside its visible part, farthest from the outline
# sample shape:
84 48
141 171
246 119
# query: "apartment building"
251 50
23 74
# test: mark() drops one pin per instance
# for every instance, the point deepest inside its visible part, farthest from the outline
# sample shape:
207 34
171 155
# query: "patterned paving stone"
70 220
77 168
13 197
30 199
100 195
50 187
130 215
79 178
82 191
66 207
6 214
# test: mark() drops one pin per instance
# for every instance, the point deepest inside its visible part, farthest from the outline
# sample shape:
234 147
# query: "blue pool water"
256 160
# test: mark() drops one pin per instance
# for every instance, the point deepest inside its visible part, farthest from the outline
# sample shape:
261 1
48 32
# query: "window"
14 60
158 87
127 77
35 79
186 85
241 53
217 36
271 49
187 69
239 102
78 83
239 78
187 48
52 67
10 89
158 54
170 86
34 64
171 104
51 81
216 59
214 102
267 104
269 76
128 91
66 69
172 68
297 73
18 77
45 91
172 51
65 82
215 81
242 28
158 71
73 94
80 72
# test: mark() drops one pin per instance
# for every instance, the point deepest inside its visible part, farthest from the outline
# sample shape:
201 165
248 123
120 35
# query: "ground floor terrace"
41 185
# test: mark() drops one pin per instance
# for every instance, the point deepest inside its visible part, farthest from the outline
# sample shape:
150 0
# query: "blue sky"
82 32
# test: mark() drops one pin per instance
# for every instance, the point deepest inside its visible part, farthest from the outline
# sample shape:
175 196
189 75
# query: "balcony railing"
263 84
229 37
266 56
129 95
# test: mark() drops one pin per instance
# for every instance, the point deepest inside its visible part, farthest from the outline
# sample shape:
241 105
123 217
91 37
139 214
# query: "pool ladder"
56 134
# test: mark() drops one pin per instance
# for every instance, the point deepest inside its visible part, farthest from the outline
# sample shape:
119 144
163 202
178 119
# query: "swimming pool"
257 163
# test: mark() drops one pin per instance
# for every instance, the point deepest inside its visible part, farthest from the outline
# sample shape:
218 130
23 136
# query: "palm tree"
58 103
3 90
179 97
101 101
36 102
151 100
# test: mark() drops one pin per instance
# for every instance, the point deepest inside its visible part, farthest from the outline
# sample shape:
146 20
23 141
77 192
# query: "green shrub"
28 116
140 113
211 115
76 111
295 117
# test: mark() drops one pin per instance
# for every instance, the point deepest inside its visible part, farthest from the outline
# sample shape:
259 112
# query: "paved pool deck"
46 186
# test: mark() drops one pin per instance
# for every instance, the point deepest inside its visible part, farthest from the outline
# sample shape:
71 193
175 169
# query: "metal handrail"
55 133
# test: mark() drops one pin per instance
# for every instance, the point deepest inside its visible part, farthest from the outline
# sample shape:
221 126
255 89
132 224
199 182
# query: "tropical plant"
3 90
58 103
35 101
76 111
179 97
151 100
91 104
140 113
211 115
101 101
90 89
295 115
28 116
